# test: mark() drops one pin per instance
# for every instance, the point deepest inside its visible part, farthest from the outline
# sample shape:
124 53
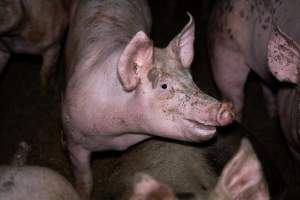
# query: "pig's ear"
242 177
137 54
283 57
183 44
147 188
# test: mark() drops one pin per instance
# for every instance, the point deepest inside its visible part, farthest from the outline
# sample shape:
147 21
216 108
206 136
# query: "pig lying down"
241 179
122 90
284 63
21 182
33 27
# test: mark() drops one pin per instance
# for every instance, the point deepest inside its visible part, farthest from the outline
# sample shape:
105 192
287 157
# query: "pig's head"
283 57
11 14
242 178
167 98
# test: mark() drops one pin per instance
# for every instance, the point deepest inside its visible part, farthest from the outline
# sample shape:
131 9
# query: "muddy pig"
242 178
33 27
284 63
238 36
23 182
121 90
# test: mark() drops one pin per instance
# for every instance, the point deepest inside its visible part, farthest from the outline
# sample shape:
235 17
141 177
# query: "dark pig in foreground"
238 36
242 178
122 90
33 27
23 182
193 170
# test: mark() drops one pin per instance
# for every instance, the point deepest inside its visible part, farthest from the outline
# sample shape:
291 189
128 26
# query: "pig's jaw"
199 129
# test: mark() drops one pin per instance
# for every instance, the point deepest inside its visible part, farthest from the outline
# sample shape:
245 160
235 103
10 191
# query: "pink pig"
122 90
239 32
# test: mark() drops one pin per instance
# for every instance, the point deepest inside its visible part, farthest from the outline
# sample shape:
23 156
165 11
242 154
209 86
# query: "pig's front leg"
4 56
232 78
80 159
50 59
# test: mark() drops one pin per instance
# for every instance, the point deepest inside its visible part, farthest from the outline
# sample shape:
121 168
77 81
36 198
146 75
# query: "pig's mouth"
204 129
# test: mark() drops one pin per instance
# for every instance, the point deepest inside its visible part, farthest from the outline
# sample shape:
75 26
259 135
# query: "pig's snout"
226 113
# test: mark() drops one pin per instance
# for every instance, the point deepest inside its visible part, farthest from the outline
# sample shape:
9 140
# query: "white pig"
122 90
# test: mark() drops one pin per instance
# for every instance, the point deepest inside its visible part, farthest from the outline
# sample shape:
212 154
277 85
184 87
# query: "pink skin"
242 178
284 63
32 27
239 33
122 90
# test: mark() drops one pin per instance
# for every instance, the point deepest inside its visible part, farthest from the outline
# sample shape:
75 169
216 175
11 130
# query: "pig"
284 63
242 178
121 90
33 27
34 183
191 170
239 32
19 181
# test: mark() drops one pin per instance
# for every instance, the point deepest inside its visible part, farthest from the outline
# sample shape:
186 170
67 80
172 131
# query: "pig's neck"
123 108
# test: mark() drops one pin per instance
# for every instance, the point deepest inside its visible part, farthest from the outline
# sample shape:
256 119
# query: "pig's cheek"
172 111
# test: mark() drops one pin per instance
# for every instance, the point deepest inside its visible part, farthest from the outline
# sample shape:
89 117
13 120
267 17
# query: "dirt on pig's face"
174 104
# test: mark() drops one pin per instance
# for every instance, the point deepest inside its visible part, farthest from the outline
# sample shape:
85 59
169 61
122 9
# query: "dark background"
26 114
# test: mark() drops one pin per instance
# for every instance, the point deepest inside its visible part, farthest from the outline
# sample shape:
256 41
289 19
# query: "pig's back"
102 26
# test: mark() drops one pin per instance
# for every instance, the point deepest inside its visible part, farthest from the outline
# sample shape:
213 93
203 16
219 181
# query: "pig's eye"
164 86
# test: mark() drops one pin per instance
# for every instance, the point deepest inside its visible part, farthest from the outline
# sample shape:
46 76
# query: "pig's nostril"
224 118
226 114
